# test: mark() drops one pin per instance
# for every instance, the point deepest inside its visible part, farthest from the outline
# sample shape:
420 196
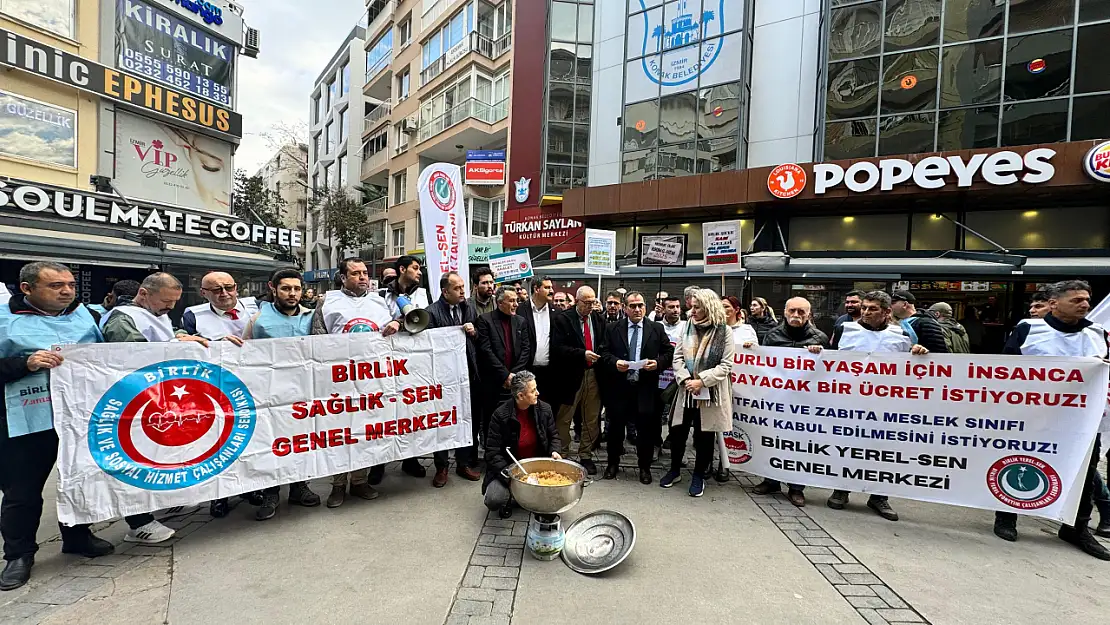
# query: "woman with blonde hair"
702 366
762 318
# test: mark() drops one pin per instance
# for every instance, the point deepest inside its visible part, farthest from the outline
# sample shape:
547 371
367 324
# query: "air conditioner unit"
251 43
411 123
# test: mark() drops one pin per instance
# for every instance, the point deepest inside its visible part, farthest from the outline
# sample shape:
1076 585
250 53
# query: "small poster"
662 250
601 252
511 266
721 242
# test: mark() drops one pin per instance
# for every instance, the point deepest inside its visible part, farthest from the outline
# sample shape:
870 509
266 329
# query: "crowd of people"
542 364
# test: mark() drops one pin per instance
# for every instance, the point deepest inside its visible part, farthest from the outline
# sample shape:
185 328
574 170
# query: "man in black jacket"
503 347
537 314
930 334
577 340
632 395
796 330
526 426
452 310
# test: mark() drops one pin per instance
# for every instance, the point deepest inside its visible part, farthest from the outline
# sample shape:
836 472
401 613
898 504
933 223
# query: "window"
402 138
316 109
397 237
343 124
850 233
315 182
316 147
433 49
341 166
345 79
485 216
404 83
1066 227
404 32
56 16
327 177
38 131
380 54
400 188
331 95
329 139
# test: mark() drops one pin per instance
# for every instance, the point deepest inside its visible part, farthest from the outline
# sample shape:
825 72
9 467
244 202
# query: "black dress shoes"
611 472
645 476
16 572
90 547
589 465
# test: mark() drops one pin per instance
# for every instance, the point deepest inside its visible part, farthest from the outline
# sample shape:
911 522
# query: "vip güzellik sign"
175 423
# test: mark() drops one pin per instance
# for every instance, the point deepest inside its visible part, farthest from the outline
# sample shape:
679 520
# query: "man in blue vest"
282 318
43 314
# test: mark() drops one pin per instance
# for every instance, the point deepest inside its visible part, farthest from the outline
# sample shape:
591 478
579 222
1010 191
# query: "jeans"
703 442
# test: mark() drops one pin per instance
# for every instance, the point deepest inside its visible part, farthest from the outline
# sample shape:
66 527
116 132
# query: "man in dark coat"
452 310
632 394
577 340
503 347
930 334
537 314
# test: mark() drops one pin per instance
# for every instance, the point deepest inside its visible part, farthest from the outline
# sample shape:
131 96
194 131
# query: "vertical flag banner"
443 217
721 242
601 252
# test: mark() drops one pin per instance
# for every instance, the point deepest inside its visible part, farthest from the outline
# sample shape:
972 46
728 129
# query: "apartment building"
286 174
437 83
334 155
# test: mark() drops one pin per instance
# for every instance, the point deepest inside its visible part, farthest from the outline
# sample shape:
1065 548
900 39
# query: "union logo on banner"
689 40
360 324
442 191
171 425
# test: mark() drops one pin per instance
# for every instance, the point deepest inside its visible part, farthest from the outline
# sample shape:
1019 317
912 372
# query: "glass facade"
908 76
569 74
685 74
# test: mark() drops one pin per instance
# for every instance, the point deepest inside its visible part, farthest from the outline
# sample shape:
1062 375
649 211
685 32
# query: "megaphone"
416 319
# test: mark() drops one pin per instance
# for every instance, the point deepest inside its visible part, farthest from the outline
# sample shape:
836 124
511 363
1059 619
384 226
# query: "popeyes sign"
932 172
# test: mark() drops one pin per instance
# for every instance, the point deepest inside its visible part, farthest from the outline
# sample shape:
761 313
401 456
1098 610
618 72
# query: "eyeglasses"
223 288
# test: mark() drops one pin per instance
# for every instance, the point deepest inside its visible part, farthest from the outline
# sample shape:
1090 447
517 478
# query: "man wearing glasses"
224 316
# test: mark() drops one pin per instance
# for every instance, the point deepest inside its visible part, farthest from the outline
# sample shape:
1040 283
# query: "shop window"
969 128
966 20
850 233
1089 118
929 231
677 118
1090 69
971 74
910 82
911 24
1038 66
1093 10
906 134
1064 228
1027 123
1030 15
853 89
854 139
855 31
641 124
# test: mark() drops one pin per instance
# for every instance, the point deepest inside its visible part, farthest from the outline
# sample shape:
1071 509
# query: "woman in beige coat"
702 366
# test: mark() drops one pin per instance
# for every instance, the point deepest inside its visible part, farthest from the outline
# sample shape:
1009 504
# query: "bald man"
225 315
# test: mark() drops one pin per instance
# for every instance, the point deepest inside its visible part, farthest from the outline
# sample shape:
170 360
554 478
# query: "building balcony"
471 123
377 117
471 108
376 209
489 48
374 163
378 21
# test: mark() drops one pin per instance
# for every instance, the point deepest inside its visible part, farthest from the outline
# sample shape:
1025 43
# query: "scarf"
703 347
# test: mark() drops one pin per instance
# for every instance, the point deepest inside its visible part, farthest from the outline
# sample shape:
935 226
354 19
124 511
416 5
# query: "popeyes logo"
786 181
1097 163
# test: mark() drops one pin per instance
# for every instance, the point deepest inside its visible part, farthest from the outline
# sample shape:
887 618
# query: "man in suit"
452 310
634 351
537 314
503 348
577 340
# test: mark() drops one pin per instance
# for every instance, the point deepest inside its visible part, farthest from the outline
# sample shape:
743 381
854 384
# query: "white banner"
1008 433
721 242
444 221
601 252
175 424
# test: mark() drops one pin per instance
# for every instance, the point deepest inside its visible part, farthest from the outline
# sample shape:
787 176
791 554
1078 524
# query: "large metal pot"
546 499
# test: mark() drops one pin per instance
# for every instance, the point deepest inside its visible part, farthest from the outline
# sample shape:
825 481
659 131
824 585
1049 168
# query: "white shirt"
542 319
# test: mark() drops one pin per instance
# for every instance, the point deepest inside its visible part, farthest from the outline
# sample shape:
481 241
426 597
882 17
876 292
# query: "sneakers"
16 572
337 497
363 491
697 485
90 547
882 508
1083 539
150 534
269 507
670 479
440 479
301 495
838 500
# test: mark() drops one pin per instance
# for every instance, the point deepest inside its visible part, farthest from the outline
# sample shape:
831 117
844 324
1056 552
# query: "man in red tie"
577 338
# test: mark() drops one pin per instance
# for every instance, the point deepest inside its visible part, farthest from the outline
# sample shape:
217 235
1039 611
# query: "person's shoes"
440 479
666 446
611 472
883 509
1083 539
301 495
697 485
722 476
219 508
90 547
1103 529
377 472
364 491
838 500
150 534
16 572
645 476
589 465
254 498
670 479
1006 528
766 487
796 497
577 437
505 511
468 474
337 496
412 466
269 507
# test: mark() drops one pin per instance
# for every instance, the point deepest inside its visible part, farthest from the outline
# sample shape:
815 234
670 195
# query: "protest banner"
721 245
601 252
443 223
662 250
1008 433
511 266
175 424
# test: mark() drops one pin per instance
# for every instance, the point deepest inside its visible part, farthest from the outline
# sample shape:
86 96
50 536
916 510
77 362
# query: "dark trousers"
776 484
1086 498
625 415
25 465
704 442
479 422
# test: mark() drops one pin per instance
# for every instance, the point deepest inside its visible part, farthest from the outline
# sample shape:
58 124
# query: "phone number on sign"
175 76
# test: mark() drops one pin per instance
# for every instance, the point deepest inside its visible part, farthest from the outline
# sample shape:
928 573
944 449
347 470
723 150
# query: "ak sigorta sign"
48 62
